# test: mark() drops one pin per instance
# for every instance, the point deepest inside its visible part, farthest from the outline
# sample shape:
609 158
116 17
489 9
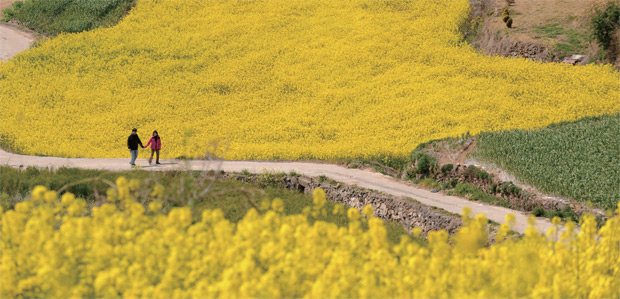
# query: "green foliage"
425 164
605 22
575 41
577 160
539 212
509 22
549 30
505 18
472 193
447 168
473 172
56 16
566 214
449 184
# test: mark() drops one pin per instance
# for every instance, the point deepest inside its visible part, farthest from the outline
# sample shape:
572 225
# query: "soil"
544 30
13 41
5 4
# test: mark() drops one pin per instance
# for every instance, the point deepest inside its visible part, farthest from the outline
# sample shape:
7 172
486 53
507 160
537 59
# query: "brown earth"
544 30
5 4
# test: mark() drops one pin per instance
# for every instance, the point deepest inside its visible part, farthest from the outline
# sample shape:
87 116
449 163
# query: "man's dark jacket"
133 141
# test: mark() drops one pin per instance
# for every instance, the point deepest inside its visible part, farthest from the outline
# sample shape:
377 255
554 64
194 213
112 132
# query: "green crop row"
578 160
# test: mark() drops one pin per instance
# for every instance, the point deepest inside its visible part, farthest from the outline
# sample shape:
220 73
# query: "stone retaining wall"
406 211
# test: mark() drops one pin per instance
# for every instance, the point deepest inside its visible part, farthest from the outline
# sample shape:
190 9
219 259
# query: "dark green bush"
604 23
473 172
56 16
539 212
505 18
446 168
509 22
515 190
424 163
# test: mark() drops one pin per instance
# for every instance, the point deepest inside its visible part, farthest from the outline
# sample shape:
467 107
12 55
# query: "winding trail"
12 41
356 177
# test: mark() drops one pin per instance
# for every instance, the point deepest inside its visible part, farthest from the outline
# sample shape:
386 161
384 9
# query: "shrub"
509 22
450 184
505 18
515 190
538 212
604 23
473 172
424 163
446 168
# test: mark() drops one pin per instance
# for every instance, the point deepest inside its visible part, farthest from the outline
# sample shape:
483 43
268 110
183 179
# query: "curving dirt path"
361 178
12 41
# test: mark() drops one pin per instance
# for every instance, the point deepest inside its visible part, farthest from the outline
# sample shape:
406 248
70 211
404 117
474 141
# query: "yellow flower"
51 196
38 193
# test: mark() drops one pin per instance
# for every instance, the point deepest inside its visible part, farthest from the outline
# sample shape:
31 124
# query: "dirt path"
356 177
13 41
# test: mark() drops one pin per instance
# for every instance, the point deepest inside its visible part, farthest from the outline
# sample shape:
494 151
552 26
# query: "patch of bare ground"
542 30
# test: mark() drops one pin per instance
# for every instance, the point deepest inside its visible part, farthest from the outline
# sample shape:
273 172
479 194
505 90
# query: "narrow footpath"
354 177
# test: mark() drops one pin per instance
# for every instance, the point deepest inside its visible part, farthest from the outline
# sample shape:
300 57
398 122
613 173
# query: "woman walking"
155 143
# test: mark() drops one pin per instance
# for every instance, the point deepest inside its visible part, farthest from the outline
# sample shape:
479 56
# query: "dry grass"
562 25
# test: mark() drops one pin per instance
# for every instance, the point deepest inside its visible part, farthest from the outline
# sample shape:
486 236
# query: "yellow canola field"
47 249
282 80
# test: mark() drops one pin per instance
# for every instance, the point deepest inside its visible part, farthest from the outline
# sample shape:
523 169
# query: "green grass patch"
578 160
569 41
549 30
57 16
472 193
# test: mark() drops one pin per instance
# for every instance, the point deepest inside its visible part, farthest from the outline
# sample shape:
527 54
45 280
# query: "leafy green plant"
56 16
605 22
472 193
425 164
447 168
577 160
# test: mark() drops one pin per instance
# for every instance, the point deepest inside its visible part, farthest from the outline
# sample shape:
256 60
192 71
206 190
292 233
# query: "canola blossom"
50 248
282 80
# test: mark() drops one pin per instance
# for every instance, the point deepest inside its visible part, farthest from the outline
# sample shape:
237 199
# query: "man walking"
132 144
